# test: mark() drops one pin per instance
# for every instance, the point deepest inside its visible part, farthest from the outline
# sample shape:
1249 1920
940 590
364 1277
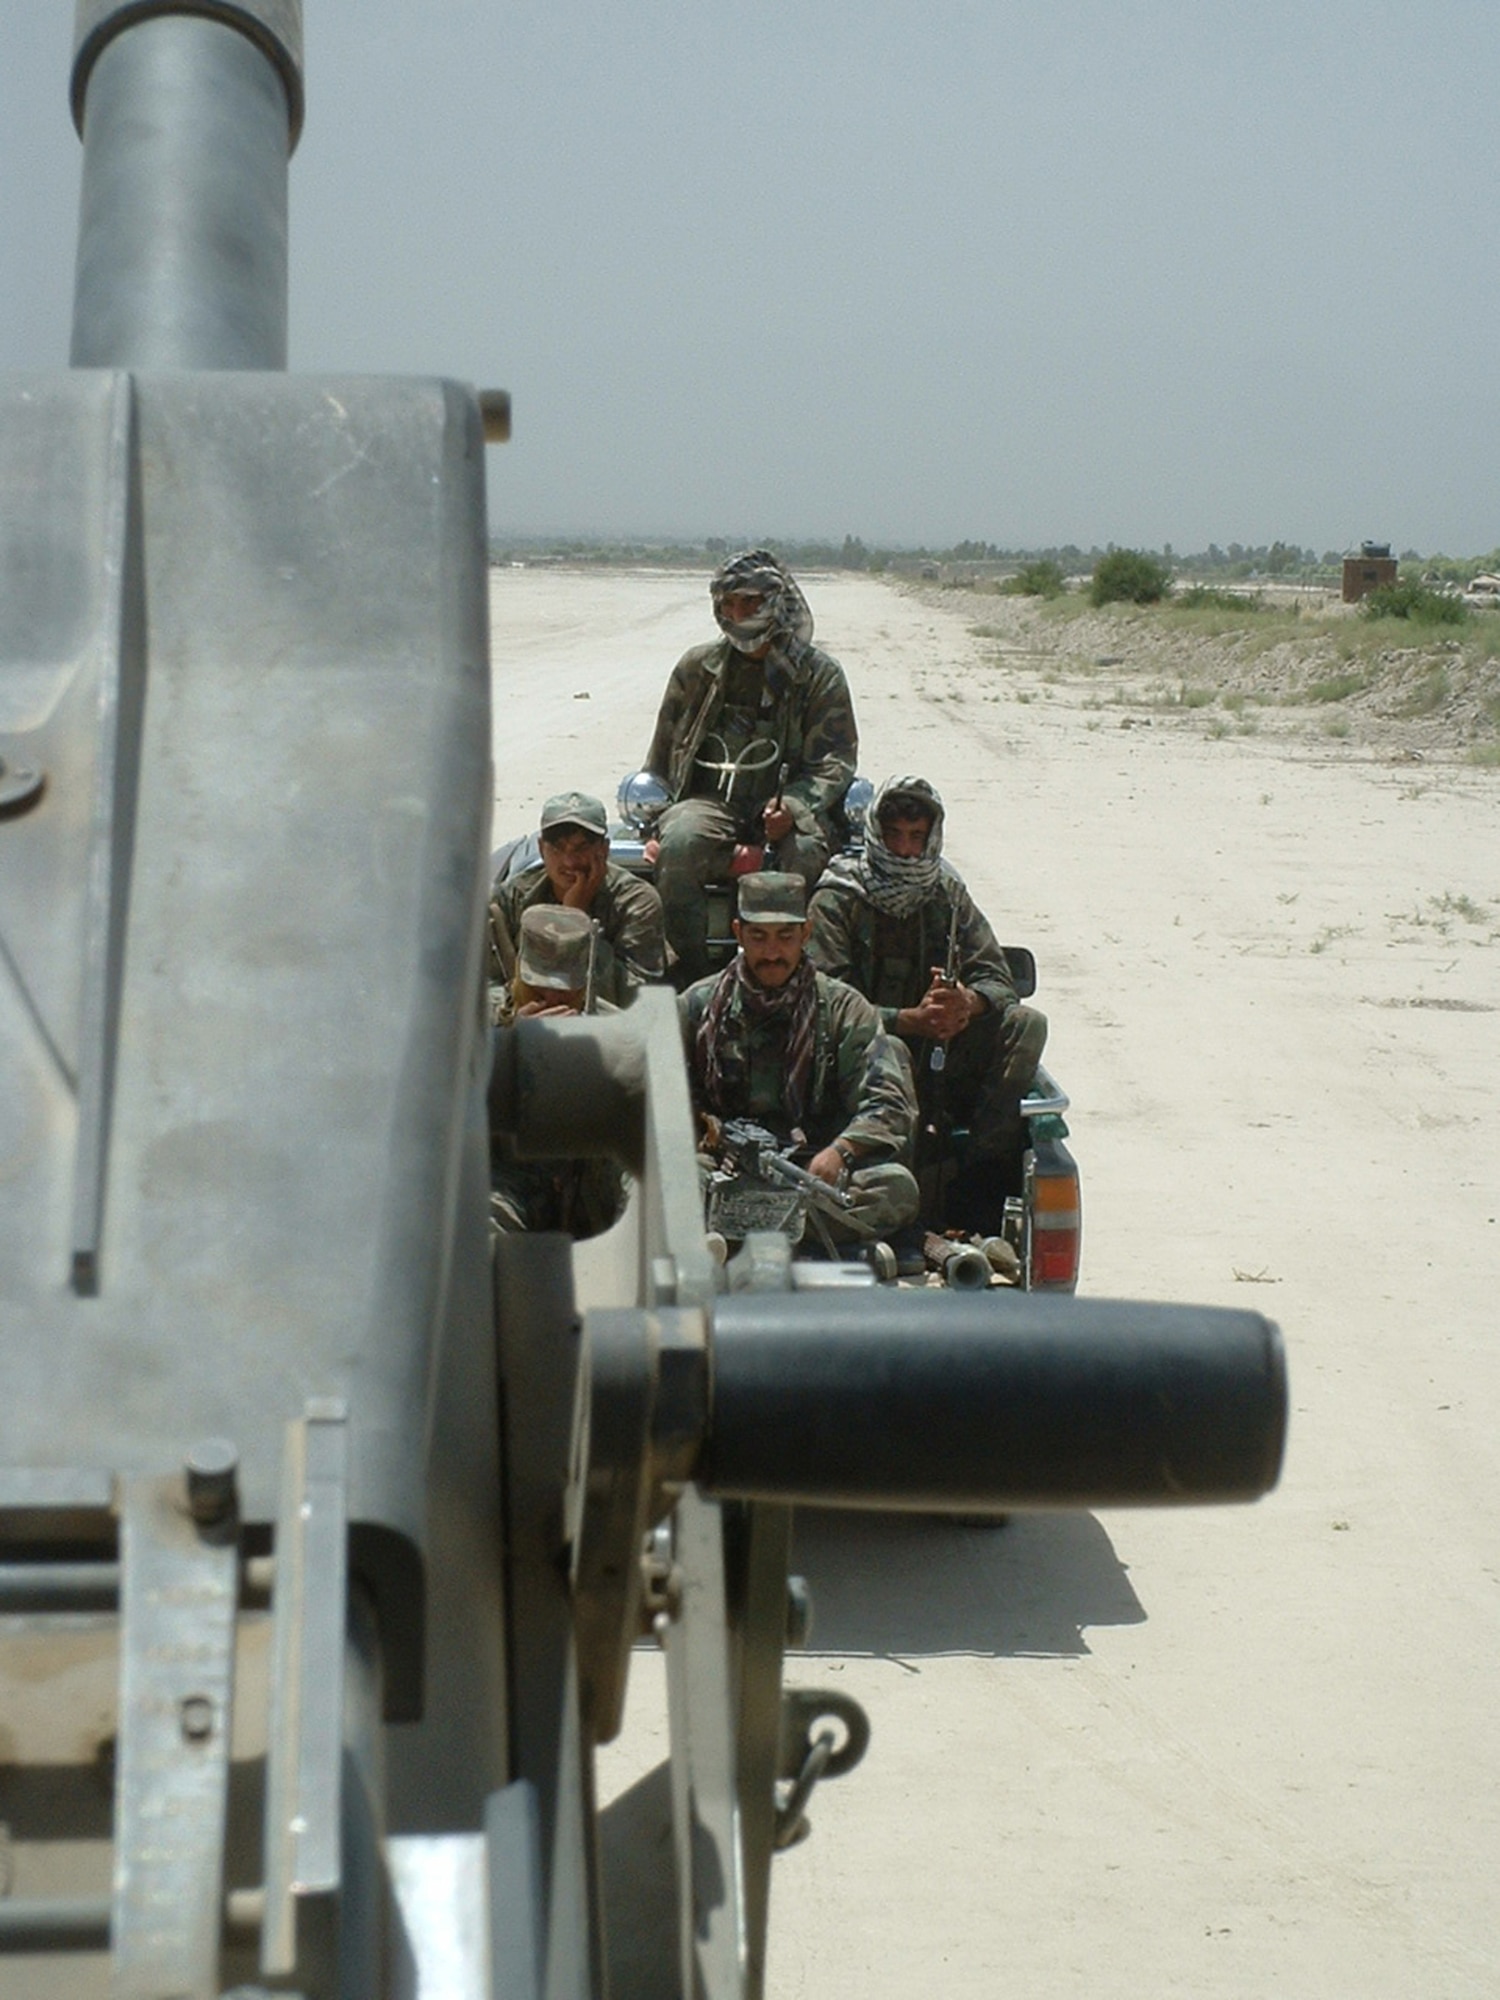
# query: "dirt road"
1224 1754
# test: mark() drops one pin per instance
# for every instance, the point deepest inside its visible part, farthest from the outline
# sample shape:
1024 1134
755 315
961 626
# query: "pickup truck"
1041 1218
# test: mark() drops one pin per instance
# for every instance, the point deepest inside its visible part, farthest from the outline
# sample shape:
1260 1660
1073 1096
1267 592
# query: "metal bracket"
810 1751
178 1598
306 1733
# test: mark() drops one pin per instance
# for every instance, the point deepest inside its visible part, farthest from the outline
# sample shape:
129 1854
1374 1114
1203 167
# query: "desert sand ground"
1230 1753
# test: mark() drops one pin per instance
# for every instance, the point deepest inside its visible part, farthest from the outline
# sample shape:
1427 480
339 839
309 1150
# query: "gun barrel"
960 1402
798 1177
187 123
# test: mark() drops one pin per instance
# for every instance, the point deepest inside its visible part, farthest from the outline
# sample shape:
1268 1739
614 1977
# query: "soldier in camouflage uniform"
755 742
772 1039
554 975
575 872
883 921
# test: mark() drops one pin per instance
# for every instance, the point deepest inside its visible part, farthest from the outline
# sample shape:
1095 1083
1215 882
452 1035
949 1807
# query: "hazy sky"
1078 271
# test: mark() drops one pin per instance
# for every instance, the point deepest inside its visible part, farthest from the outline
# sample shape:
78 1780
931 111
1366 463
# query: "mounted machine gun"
322 1536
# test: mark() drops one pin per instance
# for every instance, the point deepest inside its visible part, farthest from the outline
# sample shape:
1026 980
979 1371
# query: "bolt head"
211 1471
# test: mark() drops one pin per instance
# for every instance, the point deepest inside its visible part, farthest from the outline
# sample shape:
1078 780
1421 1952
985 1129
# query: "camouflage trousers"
881 1199
697 844
989 1069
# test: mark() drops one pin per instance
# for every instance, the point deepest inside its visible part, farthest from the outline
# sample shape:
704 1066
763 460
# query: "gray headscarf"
783 618
897 883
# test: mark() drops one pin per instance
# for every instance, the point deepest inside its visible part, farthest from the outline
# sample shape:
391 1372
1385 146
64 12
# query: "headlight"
642 798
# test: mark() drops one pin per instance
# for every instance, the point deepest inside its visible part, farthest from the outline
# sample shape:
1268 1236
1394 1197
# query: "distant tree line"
1235 561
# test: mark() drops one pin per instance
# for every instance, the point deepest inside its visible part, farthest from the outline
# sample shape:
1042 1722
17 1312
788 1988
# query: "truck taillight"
1056 1230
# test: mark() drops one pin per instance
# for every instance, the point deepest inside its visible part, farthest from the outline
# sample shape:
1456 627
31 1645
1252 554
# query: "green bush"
1428 695
1337 687
1203 597
1042 578
1417 602
1129 576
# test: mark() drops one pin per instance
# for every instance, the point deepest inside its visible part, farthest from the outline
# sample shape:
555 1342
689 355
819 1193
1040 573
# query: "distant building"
1372 569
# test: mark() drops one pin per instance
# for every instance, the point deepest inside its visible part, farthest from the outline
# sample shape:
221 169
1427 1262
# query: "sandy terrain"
1221 1754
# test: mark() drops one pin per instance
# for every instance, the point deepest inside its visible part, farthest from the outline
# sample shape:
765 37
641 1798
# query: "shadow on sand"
891 1585
884 1586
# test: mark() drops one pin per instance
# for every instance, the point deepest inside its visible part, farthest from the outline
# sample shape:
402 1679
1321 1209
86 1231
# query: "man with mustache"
774 1040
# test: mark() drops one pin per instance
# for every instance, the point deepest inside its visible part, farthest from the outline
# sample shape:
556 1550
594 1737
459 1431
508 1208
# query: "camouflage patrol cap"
554 948
575 809
773 898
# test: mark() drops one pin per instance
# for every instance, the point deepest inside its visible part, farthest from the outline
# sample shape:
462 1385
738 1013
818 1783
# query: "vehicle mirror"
1022 967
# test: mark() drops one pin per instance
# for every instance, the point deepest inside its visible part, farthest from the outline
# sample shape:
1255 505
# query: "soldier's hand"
827 1165
942 1013
583 881
779 822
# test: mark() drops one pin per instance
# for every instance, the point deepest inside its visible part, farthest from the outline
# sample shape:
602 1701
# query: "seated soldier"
895 922
773 1040
556 968
755 742
576 873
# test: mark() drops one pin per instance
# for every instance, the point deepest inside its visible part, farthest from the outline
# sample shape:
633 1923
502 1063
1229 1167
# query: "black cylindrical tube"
54 1923
182 238
967 1402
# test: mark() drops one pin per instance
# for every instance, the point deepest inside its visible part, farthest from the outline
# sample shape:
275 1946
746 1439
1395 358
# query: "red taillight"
1056 1230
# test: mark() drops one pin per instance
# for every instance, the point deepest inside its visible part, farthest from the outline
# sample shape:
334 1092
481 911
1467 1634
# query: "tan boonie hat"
772 898
554 947
574 809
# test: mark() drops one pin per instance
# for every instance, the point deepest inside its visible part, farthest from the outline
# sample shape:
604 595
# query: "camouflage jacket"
890 959
631 950
861 1088
811 718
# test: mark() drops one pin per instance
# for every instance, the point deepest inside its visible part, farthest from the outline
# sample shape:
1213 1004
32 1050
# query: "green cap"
575 809
554 946
772 898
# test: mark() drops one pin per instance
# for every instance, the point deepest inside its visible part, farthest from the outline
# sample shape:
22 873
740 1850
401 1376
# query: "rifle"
591 977
945 975
754 1164
781 778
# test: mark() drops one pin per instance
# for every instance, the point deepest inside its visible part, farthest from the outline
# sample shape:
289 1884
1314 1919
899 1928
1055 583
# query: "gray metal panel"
65 445
294 1039
517 1892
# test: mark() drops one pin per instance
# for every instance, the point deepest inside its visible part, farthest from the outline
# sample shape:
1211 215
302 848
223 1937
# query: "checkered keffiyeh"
900 884
784 617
